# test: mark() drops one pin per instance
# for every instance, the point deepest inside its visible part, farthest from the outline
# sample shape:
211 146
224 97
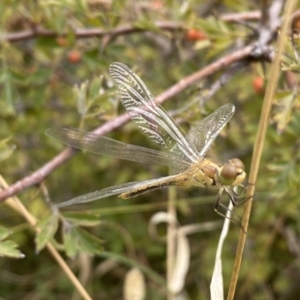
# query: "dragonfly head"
232 173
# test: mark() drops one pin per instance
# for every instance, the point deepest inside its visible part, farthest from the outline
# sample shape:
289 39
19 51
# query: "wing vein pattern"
150 118
105 146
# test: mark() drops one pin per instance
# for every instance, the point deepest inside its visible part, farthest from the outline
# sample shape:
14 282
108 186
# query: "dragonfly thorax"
205 173
210 173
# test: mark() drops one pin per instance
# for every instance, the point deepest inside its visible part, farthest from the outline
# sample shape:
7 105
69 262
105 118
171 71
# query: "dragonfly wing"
203 133
150 117
104 193
116 190
105 146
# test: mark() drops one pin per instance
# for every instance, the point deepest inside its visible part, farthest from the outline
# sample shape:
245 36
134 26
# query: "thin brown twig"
242 16
83 33
18 206
259 143
40 174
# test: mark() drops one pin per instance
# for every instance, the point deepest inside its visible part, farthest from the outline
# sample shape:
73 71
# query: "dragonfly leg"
218 204
243 200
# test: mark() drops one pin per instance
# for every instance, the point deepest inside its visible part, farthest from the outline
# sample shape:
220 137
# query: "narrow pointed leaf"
70 239
77 240
4 233
48 227
9 249
88 243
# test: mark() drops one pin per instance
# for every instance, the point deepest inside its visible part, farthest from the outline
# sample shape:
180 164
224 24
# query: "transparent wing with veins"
204 132
112 191
150 117
102 145
153 121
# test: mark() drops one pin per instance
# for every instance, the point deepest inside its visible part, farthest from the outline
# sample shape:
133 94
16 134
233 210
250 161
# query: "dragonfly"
184 154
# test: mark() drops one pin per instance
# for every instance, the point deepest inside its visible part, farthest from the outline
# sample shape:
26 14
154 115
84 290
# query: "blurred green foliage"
63 81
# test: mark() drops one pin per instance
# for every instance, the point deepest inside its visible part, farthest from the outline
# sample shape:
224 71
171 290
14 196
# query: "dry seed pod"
134 285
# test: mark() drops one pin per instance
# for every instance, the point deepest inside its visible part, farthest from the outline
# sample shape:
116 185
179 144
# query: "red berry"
195 35
74 56
157 4
258 84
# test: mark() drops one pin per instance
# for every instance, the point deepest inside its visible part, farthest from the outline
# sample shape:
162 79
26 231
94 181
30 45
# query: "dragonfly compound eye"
228 174
238 163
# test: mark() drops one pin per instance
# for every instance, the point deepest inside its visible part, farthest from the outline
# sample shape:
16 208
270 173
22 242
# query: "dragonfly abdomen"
175 180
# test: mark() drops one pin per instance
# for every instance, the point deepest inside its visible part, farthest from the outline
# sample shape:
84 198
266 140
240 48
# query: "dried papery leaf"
157 218
182 263
206 226
216 285
182 260
182 256
134 285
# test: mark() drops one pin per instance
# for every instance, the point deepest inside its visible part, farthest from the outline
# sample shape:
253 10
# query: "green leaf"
40 76
4 233
48 227
82 219
8 249
145 24
81 92
95 88
283 110
5 149
76 239
70 239
89 243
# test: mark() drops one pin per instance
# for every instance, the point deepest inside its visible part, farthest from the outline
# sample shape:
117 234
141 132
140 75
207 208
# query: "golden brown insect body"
202 174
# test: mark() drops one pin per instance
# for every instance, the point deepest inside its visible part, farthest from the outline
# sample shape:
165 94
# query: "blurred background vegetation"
54 72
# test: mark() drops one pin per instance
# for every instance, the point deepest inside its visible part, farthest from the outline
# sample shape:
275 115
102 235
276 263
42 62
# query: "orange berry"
74 56
258 84
195 35
157 4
